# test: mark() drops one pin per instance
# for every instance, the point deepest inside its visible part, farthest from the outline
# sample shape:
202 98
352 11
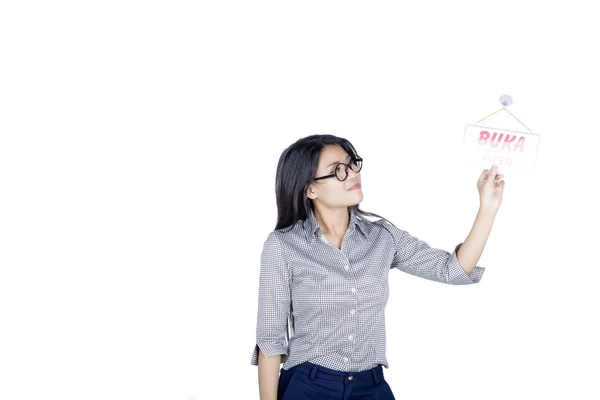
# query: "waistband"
315 371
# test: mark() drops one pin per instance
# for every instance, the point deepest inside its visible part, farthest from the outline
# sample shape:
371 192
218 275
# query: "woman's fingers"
491 174
498 178
486 173
483 175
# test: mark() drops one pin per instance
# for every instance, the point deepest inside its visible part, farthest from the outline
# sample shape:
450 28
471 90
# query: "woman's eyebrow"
337 162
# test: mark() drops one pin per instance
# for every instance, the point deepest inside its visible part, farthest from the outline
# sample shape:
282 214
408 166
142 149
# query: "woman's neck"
333 222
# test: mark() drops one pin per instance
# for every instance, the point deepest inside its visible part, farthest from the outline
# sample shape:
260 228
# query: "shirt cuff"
269 350
456 273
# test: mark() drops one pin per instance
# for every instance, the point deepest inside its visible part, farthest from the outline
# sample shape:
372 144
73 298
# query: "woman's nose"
352 174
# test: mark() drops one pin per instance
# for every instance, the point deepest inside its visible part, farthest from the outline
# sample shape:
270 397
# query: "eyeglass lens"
341 172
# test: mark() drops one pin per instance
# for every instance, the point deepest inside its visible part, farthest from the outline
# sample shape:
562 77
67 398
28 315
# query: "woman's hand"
490 188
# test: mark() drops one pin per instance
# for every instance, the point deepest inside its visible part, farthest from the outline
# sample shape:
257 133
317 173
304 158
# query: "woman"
324 275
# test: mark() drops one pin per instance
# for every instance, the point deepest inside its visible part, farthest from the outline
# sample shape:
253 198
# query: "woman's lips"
357 186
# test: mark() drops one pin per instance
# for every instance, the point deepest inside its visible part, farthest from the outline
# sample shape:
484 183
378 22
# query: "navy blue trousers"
308 381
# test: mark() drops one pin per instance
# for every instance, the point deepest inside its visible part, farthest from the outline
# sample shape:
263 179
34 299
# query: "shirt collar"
311 226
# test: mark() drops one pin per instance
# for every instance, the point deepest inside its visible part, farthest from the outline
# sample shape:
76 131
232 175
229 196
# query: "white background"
138 148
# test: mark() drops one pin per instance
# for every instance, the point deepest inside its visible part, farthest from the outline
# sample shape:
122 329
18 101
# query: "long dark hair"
296 169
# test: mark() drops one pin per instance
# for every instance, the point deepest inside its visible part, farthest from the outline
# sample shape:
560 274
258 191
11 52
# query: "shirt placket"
351 285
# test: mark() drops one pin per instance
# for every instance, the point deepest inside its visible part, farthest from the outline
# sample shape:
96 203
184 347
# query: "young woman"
324 275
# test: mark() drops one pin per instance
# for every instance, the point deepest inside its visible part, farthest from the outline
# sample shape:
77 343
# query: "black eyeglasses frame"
352 162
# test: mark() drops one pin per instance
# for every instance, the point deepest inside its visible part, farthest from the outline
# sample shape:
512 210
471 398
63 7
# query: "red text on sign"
493 141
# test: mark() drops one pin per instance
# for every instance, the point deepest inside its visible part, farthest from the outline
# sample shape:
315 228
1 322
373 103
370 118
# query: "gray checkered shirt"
321 304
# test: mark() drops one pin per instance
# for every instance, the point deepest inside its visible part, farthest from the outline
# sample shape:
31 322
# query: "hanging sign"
508 149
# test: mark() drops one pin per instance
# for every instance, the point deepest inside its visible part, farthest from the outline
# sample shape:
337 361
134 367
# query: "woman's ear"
310 193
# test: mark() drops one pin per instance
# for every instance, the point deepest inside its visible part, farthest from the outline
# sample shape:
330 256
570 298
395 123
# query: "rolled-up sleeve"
273 302
417 258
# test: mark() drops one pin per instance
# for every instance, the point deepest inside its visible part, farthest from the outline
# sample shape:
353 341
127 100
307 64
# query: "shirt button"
350 378
350 337
353 290
347 267
345 359
352 311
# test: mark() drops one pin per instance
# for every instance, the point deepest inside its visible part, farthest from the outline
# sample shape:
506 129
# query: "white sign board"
507 149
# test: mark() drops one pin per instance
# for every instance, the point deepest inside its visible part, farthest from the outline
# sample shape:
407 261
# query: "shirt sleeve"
417 258
273 302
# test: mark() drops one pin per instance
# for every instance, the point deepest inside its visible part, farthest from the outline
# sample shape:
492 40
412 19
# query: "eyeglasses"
341 169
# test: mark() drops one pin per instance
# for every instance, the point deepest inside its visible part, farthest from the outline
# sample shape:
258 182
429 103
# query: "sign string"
504 108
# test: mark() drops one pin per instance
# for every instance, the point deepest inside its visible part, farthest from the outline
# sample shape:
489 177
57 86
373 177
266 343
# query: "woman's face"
331 192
